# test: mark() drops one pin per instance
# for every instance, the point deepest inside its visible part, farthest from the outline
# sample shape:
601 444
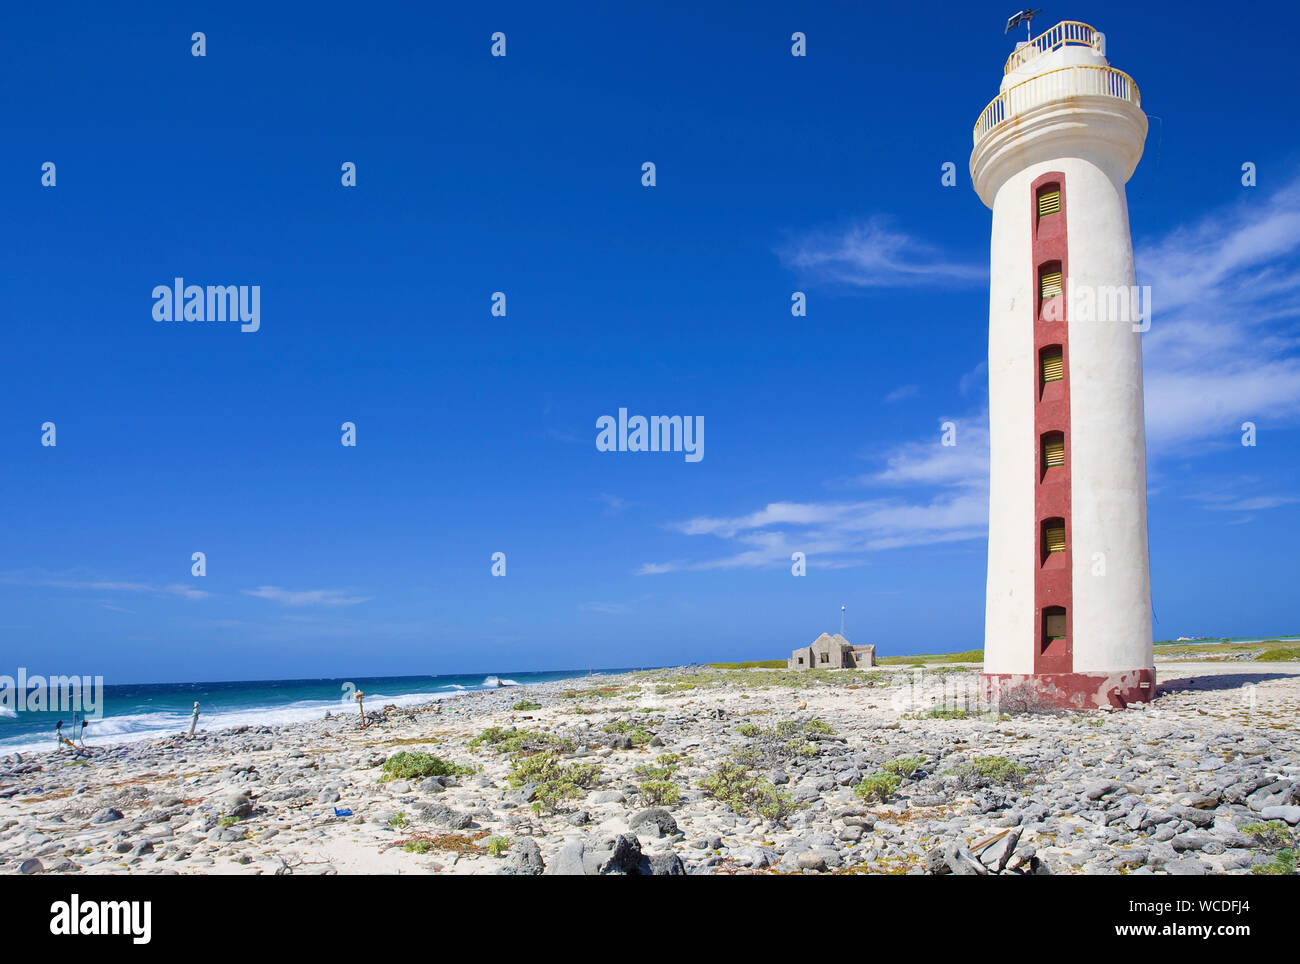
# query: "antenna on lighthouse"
841 620
1024 16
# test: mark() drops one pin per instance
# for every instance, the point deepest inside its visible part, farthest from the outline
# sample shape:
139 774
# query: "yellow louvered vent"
1055 626
1049 284
1053 366
1054 452
1054 538
1049 202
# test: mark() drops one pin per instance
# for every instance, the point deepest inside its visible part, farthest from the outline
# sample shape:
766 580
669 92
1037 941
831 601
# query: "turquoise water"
150 710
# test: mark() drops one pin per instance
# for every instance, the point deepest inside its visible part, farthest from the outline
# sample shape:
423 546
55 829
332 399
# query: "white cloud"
306 597
902 392
1224 345
49 581
871 255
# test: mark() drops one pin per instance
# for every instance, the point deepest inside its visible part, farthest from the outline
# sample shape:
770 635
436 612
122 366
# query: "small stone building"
832 652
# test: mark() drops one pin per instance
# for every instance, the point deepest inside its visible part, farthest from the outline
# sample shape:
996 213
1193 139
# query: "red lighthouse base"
1010 692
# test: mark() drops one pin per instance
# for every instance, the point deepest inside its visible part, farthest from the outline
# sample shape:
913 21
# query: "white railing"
1059 84
1067 33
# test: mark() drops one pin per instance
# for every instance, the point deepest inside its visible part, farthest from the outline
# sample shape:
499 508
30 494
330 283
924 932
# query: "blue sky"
476 434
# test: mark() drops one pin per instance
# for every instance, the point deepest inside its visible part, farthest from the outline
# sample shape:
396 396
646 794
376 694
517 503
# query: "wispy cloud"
606 608
834 534
1224 348
902 392
306 597
870 254
53 581
1224 345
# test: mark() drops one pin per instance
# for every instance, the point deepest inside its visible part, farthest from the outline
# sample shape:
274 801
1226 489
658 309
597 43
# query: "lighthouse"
1068 607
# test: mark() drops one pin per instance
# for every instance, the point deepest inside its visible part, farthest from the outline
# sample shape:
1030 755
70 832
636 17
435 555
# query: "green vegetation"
1280 654
555 781
515 741
600 692
658 793
525 705
942 713
657 787
984 770
399 821
228 821
408 765
1270 834
1283 864
420 846
777 745
497 846
665 766
664 689
927 659
752 664
1259 650
759 679
639 734
878 786
736 786
904 766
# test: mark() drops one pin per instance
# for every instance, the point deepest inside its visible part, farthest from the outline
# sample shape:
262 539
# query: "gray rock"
107 815
1290 814
31 866
1192 840
523 859
618 856
659 820
1099 789
990 800
811 860
756 858
568 862
996 855
235 804
953 859
1197 818
437 813
662 865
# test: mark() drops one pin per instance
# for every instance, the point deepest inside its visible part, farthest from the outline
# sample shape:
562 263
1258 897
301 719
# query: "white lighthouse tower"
1068 619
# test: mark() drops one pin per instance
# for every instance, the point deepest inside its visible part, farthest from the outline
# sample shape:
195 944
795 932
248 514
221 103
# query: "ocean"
145 711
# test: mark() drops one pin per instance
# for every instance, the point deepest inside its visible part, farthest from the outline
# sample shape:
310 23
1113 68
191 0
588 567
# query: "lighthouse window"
1053 450
1053 363
1049 282
1049 201
1054 535
1053 623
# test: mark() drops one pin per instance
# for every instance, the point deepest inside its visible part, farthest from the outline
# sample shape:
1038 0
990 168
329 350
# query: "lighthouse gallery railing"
1067 33
1059 84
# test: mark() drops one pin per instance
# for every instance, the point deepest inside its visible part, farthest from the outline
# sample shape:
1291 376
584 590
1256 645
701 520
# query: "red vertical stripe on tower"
1053 610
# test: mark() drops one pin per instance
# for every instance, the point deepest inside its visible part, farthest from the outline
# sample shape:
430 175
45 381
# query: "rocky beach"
893 770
